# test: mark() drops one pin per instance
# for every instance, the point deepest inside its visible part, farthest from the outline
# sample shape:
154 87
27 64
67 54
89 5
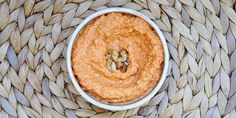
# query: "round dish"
108 105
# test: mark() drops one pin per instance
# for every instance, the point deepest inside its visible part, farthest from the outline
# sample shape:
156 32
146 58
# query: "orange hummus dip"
118 31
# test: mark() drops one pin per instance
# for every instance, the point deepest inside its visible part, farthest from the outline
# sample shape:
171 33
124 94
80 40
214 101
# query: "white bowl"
96 101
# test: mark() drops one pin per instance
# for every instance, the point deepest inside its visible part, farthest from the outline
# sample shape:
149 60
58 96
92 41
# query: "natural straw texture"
201 37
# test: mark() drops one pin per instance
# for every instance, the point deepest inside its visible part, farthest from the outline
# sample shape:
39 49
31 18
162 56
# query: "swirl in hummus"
118 31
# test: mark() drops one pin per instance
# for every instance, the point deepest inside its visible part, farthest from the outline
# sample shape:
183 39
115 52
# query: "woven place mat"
201 80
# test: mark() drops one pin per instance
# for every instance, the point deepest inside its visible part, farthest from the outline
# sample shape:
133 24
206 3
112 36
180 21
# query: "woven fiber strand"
201 79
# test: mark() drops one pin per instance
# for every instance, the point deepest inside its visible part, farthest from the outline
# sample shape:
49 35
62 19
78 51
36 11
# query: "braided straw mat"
201 79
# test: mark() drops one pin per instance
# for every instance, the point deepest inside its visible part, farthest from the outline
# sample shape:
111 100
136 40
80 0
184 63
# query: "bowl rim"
74 80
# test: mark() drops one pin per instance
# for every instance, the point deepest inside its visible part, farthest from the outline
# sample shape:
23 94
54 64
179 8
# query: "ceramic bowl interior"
117 106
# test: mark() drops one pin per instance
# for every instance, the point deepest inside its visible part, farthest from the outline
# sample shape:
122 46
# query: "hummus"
118 31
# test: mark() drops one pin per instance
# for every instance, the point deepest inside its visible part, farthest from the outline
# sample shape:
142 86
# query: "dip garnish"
117 60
